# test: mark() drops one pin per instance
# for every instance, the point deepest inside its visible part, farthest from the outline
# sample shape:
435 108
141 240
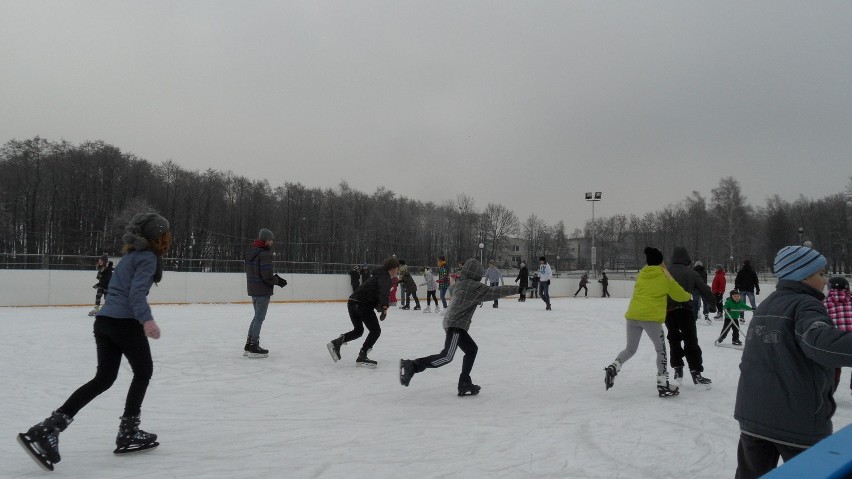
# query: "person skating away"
718 289
698 299
409 287
747 283
105 270
354 277
838 302
584 280
260 281
734 309
121 328
493 277
534 285
646 313
431 288
392 293
604 281
680 319
544 276
371 297
469 292
523 279
785 395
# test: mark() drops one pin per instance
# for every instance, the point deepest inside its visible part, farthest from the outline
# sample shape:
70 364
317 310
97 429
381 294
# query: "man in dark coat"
747 283
259 282
523 281
355 277
680 322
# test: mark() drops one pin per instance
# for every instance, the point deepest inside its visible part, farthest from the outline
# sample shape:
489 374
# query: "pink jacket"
839 307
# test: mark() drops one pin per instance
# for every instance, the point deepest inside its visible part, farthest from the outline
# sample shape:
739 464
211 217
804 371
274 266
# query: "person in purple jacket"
122 328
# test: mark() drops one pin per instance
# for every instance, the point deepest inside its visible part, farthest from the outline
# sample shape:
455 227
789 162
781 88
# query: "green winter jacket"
650 294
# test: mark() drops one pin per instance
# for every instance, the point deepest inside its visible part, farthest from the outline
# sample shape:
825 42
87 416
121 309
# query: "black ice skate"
697 378
468 389
406 371
42 440
132 439
334 348
664 388
252 349
364 362
609 377
678 376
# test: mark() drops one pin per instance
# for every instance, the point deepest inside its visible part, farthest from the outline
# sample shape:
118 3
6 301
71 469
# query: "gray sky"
528 103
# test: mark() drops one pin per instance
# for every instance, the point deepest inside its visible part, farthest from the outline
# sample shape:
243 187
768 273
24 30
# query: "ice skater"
431 288
646 313
105 270
469 292
260 280
122 328
734 312
372 296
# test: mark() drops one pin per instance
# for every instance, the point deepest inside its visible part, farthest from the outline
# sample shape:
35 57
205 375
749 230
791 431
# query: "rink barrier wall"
830 458
74 288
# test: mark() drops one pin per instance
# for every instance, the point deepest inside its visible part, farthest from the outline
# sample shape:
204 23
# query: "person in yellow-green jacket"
647 312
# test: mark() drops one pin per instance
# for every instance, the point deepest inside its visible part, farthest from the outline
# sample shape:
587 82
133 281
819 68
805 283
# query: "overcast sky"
528 104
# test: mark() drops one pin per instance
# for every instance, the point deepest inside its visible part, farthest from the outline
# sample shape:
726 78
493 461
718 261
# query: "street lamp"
557 267
481 245
593 198
801 233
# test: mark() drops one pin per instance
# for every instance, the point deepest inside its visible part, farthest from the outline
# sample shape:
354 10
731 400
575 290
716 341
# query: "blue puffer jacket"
785 393
129 286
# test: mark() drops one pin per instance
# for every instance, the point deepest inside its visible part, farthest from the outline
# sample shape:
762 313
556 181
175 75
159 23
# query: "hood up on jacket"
472 269
680 256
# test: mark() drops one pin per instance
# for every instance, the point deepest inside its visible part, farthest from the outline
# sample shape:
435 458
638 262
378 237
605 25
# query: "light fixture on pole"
481 245
593 197
801 233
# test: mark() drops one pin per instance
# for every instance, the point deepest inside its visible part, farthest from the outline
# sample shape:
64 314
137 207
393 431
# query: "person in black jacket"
372 296
696 296
604 281
523 279
747 283
104 275
354 277
680 322
259 283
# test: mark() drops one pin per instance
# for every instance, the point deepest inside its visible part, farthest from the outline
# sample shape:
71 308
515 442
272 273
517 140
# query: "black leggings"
361 314
116 337
456 338
430 295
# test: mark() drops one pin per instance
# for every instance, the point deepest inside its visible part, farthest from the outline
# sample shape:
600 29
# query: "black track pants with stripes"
456 338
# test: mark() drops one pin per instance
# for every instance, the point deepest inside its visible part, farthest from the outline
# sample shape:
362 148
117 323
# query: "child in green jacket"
647 312
735 309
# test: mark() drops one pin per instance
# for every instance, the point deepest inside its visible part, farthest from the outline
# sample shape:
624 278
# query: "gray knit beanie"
265 235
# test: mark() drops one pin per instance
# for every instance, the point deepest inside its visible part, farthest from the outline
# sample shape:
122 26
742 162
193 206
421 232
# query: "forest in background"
60 199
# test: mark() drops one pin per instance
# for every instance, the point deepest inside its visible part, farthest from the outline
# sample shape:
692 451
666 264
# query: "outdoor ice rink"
543 411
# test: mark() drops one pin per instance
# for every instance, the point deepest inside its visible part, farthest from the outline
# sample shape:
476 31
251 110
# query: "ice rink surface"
543 411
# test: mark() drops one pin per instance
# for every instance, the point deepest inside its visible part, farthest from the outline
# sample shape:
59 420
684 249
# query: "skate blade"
334 357
130 449
35 452
255 355
468 393
366 365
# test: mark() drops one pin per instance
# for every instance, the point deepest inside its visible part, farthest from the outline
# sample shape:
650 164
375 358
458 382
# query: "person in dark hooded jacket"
468 293
680 320
747 283
696 296
259 282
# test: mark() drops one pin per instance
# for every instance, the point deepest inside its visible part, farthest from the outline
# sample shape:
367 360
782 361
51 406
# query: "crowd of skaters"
797 340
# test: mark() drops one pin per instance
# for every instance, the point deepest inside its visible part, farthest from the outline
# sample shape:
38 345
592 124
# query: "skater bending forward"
469 292
373 295
647 313
122 328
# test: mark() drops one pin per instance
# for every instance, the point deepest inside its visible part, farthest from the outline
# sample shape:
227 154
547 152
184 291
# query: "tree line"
58 198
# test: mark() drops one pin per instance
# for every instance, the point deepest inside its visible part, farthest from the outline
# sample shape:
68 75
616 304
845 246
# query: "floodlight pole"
593 197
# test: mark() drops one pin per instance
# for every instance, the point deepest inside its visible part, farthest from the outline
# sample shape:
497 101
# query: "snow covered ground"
542 412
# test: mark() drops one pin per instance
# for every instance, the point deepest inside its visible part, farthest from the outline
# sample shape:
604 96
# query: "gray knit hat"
798 262
265 235
144 227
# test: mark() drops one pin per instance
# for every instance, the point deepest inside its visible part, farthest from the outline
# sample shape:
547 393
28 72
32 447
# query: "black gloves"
281 282
383 315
